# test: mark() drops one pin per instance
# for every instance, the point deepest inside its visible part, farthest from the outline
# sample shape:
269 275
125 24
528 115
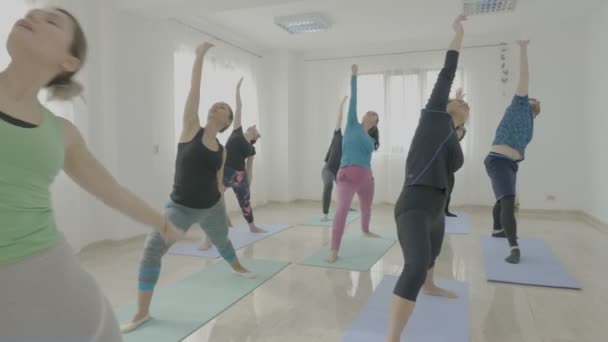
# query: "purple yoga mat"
538 266
435 319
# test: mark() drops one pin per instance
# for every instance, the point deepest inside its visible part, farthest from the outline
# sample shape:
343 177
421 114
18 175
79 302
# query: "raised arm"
191 122
524 73
239 106
441 92
92 176
352 106
341 114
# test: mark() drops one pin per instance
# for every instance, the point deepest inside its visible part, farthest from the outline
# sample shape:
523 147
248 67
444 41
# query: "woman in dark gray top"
434 156
332 163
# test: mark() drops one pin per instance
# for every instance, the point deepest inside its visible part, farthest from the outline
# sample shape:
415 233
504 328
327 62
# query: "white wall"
595 117
129 110
547 171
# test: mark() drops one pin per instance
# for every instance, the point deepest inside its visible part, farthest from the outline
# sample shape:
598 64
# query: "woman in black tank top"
197 195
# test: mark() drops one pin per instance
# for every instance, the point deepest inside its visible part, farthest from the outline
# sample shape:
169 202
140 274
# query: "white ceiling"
357 23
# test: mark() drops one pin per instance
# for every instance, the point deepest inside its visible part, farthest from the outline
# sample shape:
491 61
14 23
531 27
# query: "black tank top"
196 167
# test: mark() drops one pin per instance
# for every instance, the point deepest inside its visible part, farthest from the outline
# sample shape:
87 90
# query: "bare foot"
371 235
137 320
325 219
332 257
205 246
256 229
243 272
435 290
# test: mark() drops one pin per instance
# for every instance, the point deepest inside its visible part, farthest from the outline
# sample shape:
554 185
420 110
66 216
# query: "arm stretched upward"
239 106
352 106
524 73
341 114
191 122
441 92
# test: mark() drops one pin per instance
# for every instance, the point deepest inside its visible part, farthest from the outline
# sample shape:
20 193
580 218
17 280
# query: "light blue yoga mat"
357 253
181 309
435 319
316 222
239 236
538 266
460 225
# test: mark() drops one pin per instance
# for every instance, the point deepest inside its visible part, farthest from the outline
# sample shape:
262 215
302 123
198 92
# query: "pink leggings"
352 179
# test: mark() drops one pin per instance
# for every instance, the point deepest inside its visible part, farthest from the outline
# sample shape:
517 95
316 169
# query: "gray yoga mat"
435 319
538 266
239 236
460 225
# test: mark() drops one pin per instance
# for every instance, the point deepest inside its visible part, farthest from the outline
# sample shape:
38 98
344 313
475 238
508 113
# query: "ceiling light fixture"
478 7
303 23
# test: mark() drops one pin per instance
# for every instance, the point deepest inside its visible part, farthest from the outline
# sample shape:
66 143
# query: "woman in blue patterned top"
513 135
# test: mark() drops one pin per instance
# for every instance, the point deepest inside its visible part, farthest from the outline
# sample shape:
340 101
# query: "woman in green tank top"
46 295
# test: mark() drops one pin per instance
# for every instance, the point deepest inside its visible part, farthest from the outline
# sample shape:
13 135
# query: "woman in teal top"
46 295
360 140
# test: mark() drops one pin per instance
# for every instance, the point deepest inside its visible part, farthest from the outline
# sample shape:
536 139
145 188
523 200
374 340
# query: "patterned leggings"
237 180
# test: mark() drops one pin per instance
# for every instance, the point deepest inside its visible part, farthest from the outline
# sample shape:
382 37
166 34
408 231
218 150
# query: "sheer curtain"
222 69
398 97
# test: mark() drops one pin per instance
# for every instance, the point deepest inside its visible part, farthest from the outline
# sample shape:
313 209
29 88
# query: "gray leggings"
48 297
328 186
212 220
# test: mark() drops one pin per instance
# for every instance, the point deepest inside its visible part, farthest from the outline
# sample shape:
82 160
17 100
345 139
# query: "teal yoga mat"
316 222
181 309
357 253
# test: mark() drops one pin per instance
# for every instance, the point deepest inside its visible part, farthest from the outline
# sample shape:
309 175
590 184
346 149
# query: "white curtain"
398 97
397 87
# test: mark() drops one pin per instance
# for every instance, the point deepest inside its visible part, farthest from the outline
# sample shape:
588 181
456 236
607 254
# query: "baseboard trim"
593 221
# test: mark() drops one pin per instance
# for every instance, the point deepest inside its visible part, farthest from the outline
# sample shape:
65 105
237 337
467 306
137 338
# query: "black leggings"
504 218
328 186
420 218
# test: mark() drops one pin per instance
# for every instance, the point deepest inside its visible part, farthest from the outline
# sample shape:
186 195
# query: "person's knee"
411 280
507 203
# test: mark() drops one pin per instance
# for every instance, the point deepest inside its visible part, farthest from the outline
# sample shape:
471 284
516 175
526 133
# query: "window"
398 98
219 80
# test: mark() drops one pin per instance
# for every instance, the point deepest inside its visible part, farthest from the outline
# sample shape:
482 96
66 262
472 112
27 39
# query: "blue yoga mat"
239 236
357 253
460 225
182 308
435 319
316 222
538 266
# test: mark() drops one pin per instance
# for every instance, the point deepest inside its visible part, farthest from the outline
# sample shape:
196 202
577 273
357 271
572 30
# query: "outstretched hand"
238 85
460 94
202 49
355 69
458 27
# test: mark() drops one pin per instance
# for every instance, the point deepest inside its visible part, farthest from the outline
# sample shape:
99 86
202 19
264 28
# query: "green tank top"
30 159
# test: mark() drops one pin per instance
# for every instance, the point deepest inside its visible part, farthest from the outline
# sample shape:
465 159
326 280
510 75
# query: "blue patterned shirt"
517 125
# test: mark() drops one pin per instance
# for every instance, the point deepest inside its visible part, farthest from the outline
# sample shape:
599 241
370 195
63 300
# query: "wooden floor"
313 304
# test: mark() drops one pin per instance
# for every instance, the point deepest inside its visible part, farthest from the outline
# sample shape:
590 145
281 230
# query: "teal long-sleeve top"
357 144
